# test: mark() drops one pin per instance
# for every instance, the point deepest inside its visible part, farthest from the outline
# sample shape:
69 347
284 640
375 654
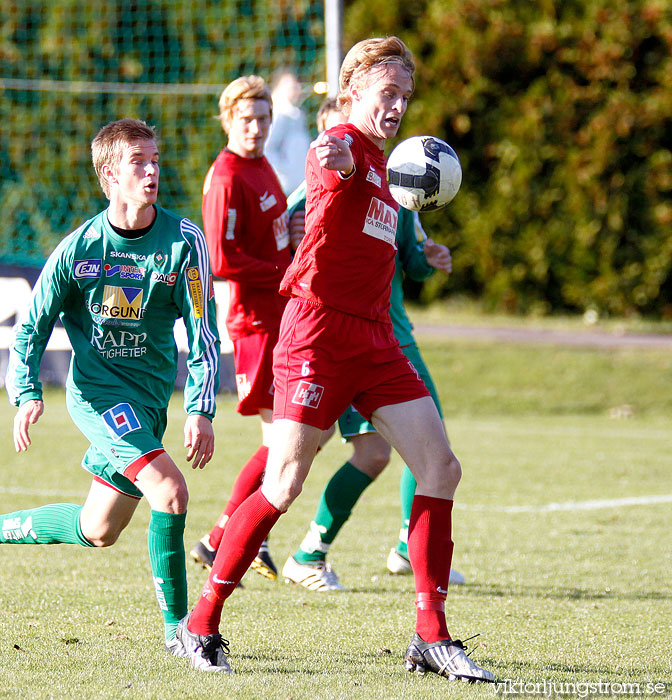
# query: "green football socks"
165 541
56 523
59 523
337 501
407 487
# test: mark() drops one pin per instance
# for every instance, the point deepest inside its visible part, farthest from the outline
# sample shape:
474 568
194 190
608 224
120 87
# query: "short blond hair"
329 105
366 55
107 147
248 87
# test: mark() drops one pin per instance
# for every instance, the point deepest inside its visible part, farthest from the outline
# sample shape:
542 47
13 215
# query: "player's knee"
169 494
281 495
379 459
453 469
371 454
448 473
373 463
288 495
102 535
441 476
177 497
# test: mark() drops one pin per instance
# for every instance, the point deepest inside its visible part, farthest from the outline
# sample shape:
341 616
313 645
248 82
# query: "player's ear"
107 171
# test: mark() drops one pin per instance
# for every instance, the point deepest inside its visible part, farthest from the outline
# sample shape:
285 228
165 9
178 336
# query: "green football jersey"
118 300
410 261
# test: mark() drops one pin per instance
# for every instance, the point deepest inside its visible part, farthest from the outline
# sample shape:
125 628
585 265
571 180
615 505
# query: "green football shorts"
124 438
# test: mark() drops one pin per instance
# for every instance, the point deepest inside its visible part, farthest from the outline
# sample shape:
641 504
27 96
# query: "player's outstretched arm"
333 153
438 256
28 413
199 439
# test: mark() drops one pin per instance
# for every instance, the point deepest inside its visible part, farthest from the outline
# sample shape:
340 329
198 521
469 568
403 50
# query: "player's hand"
28 413
438 256
199 439
333 153
297 228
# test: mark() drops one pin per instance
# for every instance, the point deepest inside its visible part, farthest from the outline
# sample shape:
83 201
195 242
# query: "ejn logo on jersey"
123 303
308 394
87 268
381 221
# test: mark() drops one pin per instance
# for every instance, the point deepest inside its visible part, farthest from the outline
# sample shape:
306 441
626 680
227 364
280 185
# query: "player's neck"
129 217
375 139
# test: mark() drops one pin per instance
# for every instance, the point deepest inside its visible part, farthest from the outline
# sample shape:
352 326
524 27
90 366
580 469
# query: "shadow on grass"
558 593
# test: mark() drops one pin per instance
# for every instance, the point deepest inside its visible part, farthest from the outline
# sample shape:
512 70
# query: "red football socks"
247 528
247 482
430 549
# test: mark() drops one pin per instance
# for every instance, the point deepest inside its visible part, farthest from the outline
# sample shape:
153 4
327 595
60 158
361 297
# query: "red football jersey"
246 227
346 259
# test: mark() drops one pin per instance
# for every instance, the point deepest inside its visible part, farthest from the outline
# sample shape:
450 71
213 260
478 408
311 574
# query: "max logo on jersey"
381 221
308 394
120 420
87 268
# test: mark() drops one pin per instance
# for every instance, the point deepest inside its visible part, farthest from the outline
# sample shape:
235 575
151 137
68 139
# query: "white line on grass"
543 508
572 505
55 493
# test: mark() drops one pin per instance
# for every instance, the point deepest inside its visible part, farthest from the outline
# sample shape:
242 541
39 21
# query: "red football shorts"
326 360
253 360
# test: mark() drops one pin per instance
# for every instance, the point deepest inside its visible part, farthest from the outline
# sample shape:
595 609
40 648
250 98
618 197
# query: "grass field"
566 582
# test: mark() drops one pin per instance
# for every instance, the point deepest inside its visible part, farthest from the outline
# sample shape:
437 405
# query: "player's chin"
389 128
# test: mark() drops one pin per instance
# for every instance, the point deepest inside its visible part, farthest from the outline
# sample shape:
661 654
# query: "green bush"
560 112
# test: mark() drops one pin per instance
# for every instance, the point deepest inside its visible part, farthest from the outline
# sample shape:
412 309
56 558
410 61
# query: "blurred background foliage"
561 112
69 67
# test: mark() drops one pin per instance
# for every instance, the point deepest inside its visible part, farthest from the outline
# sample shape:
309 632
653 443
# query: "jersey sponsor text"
196 291
130 272
119 303
86 268
266 201
372 176
281 230
118 343
168 278
381 221
14 529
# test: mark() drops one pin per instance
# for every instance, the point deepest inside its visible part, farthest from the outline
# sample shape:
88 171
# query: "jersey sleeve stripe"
195 238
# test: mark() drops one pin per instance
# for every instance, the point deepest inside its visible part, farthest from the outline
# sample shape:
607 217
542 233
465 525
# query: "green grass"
461 311
571 595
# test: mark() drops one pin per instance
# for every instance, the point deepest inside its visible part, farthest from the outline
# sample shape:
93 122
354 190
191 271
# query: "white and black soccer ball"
423 173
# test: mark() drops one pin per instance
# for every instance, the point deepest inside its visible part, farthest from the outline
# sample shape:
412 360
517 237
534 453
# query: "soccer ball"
424 173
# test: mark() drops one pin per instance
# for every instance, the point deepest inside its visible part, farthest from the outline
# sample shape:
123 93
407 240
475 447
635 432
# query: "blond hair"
248 87
366 55
329 105
107 148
